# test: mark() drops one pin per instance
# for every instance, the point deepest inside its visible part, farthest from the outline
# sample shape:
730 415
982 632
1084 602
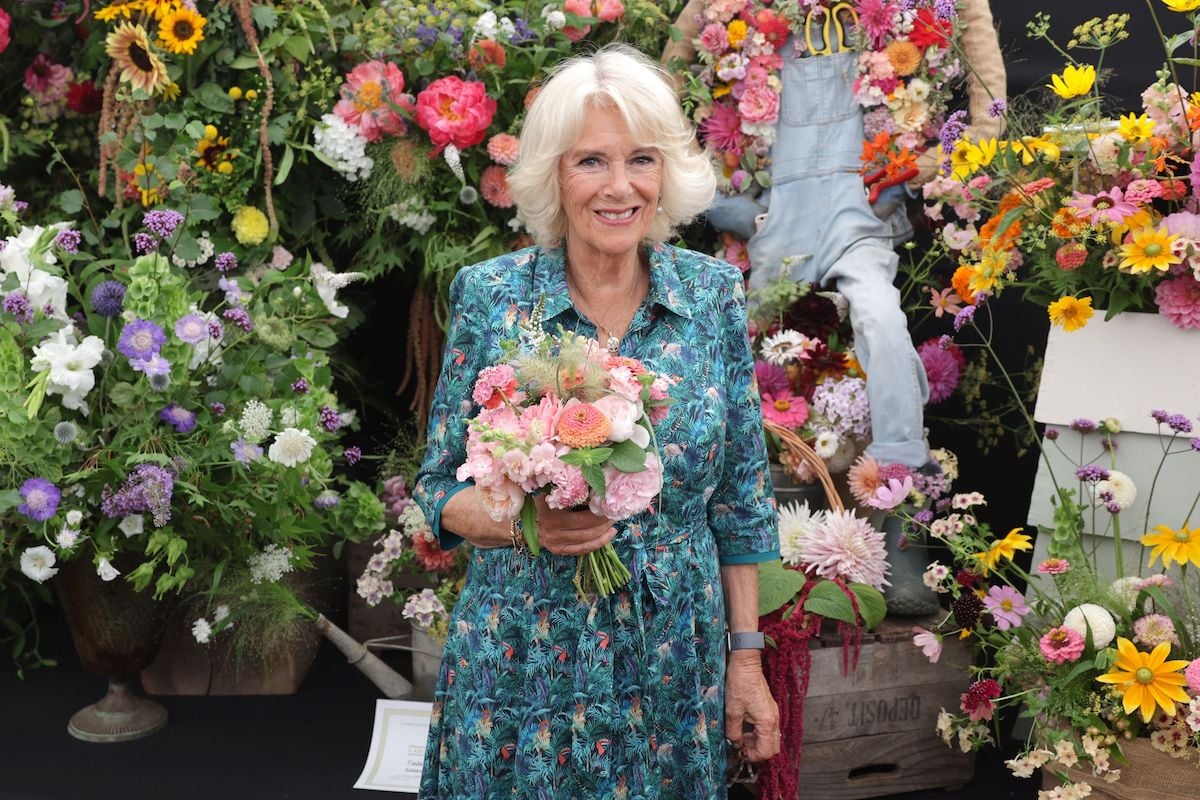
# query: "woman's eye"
589 161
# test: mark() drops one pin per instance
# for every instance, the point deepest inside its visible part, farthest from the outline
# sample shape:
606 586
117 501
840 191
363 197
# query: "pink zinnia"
1060 645
1109 206
943 368
1006 606
1154 629
493 185
1192 674
1142 191
977 700
1038 186
1179 300
367 95
785 408
722 129
842 545
504 148
1054 566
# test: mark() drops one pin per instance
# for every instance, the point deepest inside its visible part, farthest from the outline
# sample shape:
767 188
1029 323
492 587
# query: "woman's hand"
748 700
571 533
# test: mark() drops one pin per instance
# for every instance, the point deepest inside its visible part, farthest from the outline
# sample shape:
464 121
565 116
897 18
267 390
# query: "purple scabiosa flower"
144 243
426 35
964 317
162 222
192 328
1092 473
353 455
108 298
331 420
183 420
41 499
326 500
772 379
225 262
300 386
521 32
147 489
997 107
140 340
218 409
68 240
18 305
239 317
1083 425
244 452
153 366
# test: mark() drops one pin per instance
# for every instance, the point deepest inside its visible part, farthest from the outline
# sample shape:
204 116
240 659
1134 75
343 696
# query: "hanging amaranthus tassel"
242 9
108 122
424 347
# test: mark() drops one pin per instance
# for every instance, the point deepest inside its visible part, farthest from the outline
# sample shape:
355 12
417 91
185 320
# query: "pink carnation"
493 384
5 24
943 368
1061 644
493 185
1192 674
570 488
1179 300
759 104
504 148
454 111
628 493
367 97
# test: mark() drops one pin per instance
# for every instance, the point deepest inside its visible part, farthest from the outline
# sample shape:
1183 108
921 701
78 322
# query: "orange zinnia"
583 425
961 281
1066 224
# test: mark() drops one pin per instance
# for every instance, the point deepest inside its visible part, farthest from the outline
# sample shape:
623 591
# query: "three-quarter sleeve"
741 511
452 406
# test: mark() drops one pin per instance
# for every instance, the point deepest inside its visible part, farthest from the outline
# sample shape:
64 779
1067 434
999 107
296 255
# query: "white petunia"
132 525
74 517
37 563
291 447
106 570
70 365
327 282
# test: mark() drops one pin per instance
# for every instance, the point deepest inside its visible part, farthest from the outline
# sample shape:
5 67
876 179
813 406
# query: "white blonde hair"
615 76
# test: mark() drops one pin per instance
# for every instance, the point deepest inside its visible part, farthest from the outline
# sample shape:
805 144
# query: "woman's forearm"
741 596
463 514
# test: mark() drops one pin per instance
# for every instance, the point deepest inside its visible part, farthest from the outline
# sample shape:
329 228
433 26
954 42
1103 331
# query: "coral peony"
367 97
454 111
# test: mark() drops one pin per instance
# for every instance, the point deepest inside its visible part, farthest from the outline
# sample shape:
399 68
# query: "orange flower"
961 281
1067 225
904 56
1006 240
583 425
486 52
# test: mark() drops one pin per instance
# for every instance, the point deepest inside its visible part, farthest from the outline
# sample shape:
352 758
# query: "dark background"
313 744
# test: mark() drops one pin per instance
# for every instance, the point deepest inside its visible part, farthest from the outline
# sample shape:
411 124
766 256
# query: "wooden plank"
886 666
873 766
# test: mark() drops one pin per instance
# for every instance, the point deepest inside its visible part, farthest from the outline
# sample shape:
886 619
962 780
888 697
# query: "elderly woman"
542 694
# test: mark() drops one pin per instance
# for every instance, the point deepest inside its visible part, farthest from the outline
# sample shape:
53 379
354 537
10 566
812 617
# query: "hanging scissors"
840 19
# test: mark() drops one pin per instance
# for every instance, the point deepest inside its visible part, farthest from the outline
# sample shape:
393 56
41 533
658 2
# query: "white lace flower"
37 563
291 447
220 613
269 565
256 421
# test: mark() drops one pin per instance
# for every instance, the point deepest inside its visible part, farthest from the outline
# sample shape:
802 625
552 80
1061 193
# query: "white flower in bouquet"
70 364
132 525
40 287
784 347
106 570
201 630
843 545
423 608
1097 618
291 447
796 521
37 563
74 517
256 420
343 148
327 282
67 537
270 565
1117 491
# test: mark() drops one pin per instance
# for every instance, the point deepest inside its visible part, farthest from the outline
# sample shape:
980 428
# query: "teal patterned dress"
542 696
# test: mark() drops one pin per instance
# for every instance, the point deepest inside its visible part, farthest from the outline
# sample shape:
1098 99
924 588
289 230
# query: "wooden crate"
873 732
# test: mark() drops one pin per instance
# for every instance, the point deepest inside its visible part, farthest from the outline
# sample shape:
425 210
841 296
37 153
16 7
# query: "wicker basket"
801 450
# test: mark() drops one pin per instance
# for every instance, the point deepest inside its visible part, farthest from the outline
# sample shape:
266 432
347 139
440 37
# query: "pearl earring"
659 210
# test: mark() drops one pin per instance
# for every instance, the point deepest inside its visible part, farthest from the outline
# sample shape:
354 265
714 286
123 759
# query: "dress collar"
666 289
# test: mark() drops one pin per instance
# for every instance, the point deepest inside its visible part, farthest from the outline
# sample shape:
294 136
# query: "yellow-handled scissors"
840 19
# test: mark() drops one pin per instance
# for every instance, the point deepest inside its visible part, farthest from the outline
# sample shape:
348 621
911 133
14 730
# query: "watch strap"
745 640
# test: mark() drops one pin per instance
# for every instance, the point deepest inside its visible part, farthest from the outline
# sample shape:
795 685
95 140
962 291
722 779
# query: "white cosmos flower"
106 570
291 447
37 563
784 347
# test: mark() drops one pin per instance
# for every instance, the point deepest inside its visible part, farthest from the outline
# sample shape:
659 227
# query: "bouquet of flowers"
1081 209
564 417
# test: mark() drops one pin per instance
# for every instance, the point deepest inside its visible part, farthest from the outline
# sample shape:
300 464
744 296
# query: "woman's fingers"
577 542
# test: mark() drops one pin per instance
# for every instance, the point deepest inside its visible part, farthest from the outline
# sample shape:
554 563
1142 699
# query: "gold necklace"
613 340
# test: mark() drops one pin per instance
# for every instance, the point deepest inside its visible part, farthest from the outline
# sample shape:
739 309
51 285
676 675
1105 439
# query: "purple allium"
178 416
108 298
964 317
152 366
331 420
41 499
1083 425
326 500
147 489
68 240
215 331
1092 473
218 409
952 130
192 328
225 262
772 379
1051 434
244 452
997 107
353 455
144 243
239 317
140 340
18 305
162 222
300 386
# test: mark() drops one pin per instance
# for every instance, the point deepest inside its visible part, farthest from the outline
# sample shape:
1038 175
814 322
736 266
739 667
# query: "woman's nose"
618 181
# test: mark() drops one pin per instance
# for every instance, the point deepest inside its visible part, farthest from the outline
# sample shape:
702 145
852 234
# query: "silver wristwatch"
745 640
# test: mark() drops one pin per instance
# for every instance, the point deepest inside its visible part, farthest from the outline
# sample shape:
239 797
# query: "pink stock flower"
454 111
493 185
367 97
628 493
1179 300
929 642
1006 605
1061 644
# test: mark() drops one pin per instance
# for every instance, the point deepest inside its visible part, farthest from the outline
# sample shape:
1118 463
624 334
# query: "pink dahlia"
454 111
785 409
877 18
367 96
430 554
722 129
1179 300
943 368
864 477
772 379
493 185
845 546
504 148
1061 645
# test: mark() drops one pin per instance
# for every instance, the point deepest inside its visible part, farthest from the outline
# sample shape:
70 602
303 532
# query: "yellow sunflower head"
181 30
129 48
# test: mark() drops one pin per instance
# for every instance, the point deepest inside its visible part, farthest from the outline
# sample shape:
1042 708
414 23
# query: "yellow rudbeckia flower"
1135 129
1149 249
1175 546
1003 549
1070 313
1147 681
1182 6
1074 81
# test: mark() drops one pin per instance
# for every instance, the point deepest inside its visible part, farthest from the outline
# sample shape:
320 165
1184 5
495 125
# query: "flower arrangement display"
1080 208
176 420
565 417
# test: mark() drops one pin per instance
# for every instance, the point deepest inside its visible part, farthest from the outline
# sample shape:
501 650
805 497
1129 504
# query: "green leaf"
587 456
763 178
318 336
298 47
594 477
213 97
10 498
1080 668
244 62
529 526
826 599
265 16
71 201
777 586
871 605
628 457
285 165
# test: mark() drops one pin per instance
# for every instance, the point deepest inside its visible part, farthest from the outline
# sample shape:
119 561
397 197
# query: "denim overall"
820 228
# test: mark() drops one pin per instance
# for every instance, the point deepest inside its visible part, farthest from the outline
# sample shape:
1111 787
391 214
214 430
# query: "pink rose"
503 501
714 39
628 493
622 414
622 382
454 111
759 104
367 95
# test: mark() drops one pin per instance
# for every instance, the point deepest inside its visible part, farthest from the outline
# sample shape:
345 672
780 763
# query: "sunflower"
1175 546
1005 548
1070 313
181 30
118 10
129 48
159 8
1149 249
1147 681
